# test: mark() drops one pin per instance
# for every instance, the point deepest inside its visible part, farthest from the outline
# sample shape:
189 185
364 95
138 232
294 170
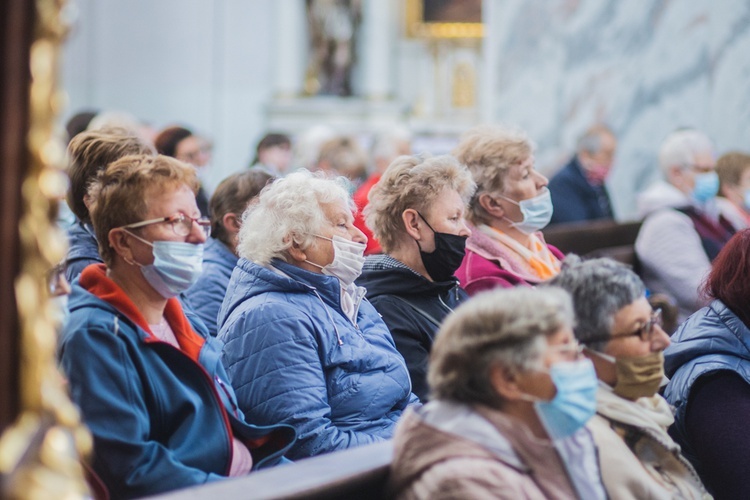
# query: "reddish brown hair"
729 279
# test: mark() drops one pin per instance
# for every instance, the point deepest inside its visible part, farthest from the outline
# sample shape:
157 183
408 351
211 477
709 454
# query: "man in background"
578 190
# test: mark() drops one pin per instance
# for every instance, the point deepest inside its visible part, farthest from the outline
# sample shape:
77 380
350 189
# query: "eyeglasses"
571 351
701 169
182 225
645 332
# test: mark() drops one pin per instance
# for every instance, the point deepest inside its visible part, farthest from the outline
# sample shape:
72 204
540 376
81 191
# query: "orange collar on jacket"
94 279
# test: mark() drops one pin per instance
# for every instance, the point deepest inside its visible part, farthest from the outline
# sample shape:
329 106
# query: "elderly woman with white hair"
623 337
507 213
302 345
511 395
416 211
683 230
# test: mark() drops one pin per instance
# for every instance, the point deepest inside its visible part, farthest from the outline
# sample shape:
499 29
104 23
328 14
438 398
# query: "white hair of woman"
681 147
288 211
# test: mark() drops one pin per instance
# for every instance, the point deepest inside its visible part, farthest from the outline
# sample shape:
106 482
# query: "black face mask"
447 256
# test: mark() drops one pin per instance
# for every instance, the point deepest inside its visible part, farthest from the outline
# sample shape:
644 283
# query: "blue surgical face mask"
176 267
747 199
575 401
706 187
536 211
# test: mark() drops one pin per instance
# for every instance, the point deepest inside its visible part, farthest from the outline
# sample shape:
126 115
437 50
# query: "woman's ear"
505 383
412 223
295 250
231 223
491 206
120 243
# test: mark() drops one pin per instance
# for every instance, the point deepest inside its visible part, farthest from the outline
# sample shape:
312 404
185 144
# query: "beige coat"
474 453
640 460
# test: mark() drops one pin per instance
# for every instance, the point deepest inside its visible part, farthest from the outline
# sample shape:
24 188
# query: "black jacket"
413 307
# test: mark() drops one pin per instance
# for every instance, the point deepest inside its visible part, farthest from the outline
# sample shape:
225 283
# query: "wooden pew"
359 473
596 239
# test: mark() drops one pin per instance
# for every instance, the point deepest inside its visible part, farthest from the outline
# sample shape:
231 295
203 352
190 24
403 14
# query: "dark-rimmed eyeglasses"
181 224
645 331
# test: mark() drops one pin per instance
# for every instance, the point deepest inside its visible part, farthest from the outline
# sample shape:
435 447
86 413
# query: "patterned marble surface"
645 67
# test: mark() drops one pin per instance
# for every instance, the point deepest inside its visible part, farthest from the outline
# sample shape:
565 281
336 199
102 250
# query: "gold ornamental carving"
40 453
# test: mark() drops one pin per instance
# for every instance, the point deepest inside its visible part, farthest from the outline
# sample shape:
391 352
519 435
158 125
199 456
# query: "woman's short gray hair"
288 211
599 288
412 182
489 152
506 328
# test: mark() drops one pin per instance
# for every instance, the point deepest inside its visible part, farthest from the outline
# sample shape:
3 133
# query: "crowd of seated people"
207 342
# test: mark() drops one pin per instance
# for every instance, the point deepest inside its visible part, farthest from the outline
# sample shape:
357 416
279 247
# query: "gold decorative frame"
416 27
40 453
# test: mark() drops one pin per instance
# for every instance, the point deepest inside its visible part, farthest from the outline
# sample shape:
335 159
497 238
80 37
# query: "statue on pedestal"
333 27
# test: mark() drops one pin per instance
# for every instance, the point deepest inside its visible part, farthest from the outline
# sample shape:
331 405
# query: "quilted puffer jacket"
294 357
207 294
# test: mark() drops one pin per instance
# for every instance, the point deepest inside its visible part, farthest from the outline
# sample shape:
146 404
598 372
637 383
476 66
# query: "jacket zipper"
217 397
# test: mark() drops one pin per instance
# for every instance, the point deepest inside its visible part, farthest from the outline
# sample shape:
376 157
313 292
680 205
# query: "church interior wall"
550 67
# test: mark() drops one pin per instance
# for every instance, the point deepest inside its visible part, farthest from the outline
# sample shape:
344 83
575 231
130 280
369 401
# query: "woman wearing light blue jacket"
302 345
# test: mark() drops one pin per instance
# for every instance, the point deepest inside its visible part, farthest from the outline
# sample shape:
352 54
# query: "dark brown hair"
90 152
168 139
232 196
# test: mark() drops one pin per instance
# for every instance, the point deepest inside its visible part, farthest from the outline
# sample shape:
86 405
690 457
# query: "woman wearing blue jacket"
227 204
302 345
708 365
146 375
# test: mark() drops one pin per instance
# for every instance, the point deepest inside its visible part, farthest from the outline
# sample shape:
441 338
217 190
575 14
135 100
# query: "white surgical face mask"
536 211
348 259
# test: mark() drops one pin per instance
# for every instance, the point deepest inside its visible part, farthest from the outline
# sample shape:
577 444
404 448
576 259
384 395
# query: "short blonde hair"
506 327
412 182
731 166
121 192
489 152
288 211
345 156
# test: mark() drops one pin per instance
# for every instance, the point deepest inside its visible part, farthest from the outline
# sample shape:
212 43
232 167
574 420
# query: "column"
290 40
376 42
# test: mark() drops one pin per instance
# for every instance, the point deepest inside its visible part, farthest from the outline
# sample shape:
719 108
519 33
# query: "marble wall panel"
645 67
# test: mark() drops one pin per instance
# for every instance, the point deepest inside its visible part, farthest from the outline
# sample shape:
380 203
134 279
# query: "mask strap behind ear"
425 221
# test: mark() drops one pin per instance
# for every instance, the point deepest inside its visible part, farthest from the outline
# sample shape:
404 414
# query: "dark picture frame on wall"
444 19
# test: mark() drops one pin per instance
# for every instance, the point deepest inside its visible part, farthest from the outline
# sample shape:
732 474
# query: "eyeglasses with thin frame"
645 331
181 224
572 351
701 169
